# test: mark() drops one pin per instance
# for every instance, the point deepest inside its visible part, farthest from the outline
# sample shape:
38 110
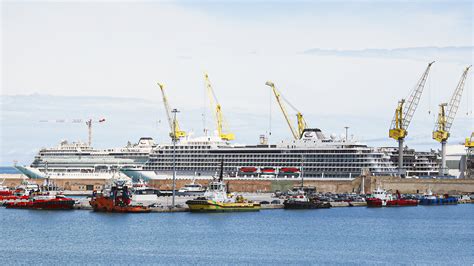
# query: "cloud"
460 54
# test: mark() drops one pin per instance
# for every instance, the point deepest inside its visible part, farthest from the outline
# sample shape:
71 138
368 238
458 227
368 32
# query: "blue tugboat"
430 199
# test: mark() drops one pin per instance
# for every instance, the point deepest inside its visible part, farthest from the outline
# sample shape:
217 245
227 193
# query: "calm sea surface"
359 235
8 170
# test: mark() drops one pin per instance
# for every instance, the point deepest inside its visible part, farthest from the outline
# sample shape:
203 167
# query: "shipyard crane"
446 115
403 115
88 122
299 116
223 134
175 132
469 143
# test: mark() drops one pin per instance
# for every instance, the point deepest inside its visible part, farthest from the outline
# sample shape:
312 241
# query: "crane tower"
403 115
446 115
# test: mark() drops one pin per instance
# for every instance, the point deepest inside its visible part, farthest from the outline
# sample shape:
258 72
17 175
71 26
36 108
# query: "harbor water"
410 235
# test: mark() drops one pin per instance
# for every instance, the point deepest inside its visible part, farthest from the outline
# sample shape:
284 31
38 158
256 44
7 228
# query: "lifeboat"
289 170
248 169
267 170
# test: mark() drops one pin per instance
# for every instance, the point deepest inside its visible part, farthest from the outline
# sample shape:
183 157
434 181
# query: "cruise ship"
78 160
417 164
313 156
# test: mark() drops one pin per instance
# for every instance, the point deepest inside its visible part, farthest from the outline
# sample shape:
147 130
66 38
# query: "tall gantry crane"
446 115
215 105
175 132
299 116
403 115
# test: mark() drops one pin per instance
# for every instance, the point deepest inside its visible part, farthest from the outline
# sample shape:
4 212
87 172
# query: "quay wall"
404 185
13 180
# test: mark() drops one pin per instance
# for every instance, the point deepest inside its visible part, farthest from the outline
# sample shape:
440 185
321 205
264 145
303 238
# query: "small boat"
380 198
430 199
43 201
192 189
142 192
116 199
301 201
217 199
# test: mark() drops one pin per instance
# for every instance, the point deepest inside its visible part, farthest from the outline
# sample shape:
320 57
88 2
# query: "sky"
341 63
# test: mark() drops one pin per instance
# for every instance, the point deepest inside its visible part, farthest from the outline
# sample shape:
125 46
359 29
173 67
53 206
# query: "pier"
370 183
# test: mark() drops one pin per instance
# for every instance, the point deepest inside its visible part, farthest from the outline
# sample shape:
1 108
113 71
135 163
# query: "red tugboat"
43 202
118 199
380 198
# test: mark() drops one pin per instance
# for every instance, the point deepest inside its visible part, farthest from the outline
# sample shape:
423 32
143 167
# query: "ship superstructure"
416 163
314 154
79 160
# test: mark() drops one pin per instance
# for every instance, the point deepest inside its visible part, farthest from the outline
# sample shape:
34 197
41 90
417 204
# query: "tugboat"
430 199
216 199
380 198
43 201
301 201
117 199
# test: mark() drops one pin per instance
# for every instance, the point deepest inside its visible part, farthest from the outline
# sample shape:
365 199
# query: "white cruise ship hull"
156 175
34 173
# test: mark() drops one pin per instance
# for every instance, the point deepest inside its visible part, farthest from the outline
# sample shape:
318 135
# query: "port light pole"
173 138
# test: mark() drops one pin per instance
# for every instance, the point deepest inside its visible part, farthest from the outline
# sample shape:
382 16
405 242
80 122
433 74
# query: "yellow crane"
175 132
469 143
223 134
446 115
403 115
299 116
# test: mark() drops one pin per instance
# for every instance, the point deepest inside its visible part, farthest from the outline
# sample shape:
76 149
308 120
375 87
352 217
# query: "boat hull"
375 202
306 205
105 204
55 204
443 201
213 206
